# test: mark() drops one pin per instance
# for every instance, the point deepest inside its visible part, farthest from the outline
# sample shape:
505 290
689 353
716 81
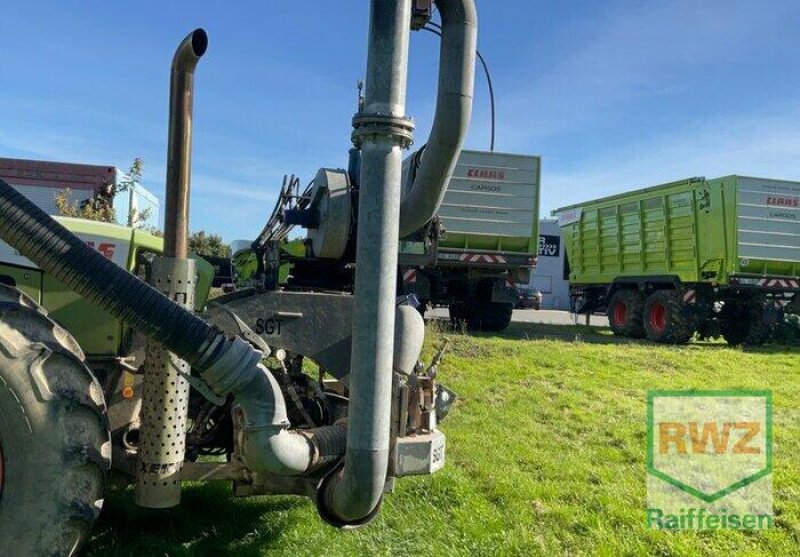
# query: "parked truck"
483 242
713 257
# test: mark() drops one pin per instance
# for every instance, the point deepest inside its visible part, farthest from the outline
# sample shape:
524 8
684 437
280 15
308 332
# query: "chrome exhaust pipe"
179 148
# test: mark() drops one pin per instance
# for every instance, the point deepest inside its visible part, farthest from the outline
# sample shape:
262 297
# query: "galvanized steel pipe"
353 495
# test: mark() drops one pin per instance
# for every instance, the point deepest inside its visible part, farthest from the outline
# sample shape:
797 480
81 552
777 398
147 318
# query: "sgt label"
268 326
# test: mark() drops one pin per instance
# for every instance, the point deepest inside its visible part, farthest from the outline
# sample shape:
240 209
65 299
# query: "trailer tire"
743 323
626 314
54 438
664 319
489 317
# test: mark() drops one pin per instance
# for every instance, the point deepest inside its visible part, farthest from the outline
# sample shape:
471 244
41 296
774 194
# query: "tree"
100 207
211 245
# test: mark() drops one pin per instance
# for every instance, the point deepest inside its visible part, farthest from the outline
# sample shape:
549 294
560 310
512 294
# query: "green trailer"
717 257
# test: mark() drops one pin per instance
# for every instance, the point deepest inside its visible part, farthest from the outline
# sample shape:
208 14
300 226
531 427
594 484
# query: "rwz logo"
709 459
680 438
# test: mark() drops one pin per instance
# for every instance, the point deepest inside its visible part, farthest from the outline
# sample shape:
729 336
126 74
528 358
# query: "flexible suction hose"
228 365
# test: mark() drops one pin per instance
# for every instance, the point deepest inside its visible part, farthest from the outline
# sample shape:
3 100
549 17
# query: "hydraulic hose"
59 252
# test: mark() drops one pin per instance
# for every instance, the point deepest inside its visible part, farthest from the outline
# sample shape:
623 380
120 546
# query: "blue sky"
613 95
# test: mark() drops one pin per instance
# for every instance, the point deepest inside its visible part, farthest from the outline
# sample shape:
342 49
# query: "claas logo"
708 438
783 201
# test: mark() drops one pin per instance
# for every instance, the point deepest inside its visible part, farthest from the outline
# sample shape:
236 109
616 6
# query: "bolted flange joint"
372 126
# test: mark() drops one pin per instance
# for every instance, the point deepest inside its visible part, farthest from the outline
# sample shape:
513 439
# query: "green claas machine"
114 367
713 257
99 333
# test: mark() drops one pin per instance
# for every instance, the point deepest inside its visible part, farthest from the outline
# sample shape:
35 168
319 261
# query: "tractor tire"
664 319
743 323
626 313
55 446
489 317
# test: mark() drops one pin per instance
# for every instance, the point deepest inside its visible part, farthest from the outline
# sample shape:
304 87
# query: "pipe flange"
386 125
325 513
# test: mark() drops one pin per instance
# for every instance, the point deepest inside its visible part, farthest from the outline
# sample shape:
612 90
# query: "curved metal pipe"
179 149
352 496
429 182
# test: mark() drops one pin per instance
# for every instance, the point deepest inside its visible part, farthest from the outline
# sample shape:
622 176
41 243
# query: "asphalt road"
544 316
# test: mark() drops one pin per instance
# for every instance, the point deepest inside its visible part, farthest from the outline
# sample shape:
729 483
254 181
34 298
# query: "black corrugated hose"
55 249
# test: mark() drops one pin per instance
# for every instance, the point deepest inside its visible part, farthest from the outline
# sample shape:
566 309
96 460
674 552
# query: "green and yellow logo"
709 459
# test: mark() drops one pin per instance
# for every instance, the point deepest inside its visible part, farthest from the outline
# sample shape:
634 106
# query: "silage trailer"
714 257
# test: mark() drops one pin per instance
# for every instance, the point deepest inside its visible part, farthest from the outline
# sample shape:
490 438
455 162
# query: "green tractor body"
101 335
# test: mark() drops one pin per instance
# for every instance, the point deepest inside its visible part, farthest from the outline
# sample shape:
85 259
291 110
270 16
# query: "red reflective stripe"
779 283
482 258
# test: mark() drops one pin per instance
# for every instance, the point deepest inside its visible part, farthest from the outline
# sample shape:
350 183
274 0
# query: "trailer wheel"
625 314
54 439
743 323
490 317
664 319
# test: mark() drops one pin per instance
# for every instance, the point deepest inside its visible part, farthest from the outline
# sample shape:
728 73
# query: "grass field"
546 456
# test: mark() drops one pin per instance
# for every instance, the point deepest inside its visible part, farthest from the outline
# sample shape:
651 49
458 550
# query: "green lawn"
546 456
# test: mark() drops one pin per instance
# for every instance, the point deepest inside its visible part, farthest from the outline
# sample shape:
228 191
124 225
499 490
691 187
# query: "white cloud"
649 49
764 145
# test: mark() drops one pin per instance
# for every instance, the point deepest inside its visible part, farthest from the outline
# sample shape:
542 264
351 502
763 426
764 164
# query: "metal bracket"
421 13
201 387
244 330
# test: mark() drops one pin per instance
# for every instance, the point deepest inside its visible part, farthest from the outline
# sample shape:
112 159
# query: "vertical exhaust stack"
424 188
179 149
165 390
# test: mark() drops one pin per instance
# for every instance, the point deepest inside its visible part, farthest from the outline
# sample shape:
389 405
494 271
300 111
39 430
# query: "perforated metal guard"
165 400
